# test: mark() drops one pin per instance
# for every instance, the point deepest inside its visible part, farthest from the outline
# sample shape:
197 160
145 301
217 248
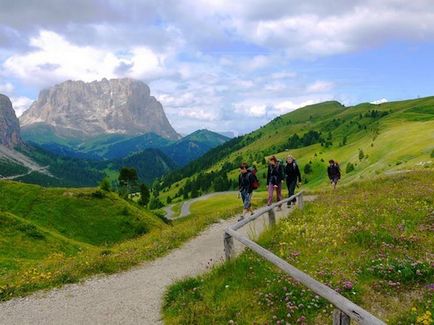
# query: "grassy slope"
75 213
384 250
403 139
43 257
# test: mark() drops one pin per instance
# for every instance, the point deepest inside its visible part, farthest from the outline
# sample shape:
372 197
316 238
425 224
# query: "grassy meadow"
51 237
393 136
372 241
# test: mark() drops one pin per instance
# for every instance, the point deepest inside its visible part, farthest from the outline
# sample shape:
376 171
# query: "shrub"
31 231
361 154
98 194
308 169
155 203
105 185
432 153
349 168
144 195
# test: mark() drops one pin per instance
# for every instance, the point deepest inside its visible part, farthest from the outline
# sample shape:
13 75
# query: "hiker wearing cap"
292 177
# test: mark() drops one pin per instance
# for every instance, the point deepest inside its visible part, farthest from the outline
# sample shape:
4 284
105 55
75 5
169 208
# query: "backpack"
254 182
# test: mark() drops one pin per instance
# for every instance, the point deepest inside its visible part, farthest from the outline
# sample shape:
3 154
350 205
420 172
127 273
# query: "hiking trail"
131 297
185 208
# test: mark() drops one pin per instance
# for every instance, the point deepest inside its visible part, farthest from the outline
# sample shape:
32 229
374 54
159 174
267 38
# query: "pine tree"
144 195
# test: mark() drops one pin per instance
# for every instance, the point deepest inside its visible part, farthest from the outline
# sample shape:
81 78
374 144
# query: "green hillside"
152 155
9 168
387 137
193 146
82 215
66 171
36 222
149 163
371 241
117 146
53 236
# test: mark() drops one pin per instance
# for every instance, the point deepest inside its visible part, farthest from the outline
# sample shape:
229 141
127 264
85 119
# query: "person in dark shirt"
292 177
274 179
334 172
245 181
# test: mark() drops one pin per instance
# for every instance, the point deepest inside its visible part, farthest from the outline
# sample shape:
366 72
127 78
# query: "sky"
228 66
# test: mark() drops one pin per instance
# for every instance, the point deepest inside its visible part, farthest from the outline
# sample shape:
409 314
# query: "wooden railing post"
340 318
300 201
272 217
229 246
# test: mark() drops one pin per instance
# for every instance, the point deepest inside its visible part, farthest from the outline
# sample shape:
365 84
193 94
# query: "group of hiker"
278 172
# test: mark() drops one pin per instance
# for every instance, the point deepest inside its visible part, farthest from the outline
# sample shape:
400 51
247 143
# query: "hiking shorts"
246 197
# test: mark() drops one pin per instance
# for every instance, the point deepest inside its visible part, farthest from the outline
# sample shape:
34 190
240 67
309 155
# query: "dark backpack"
254 182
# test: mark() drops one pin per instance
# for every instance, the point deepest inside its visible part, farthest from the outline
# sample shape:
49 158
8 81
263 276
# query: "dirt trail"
185 208
131 297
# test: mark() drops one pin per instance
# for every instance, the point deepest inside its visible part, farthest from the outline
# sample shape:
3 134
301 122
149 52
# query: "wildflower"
348 285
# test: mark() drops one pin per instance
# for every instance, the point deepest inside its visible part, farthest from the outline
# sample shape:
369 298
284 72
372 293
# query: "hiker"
246 181
274 179
334 172
255 182
292 176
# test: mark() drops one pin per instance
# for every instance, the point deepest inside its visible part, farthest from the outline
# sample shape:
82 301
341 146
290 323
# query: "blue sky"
222 65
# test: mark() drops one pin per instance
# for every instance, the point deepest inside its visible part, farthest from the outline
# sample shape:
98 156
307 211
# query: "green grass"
40 250
402 139
76 214
372 241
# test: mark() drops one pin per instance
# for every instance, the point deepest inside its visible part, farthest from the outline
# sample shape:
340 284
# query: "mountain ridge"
10 135
82 110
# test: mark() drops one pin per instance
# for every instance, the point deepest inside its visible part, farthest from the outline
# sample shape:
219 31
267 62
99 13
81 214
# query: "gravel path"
185 209
169 212
131 297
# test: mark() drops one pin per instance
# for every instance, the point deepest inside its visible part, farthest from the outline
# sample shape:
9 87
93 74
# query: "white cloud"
379 101
54 59
320 86
21 104
318 28
271 107
283 75
6 88
255 65
243 84
257 62
275 86
199 114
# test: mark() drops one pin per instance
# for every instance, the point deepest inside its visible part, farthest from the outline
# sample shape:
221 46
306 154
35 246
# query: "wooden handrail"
346 309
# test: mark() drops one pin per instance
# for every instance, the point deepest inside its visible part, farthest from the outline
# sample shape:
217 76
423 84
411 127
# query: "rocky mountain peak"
77 108
9 124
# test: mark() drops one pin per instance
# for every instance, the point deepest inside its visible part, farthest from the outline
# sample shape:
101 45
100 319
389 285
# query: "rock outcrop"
9 124
79 109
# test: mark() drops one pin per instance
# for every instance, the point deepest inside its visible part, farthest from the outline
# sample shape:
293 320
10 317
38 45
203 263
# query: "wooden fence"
345 309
